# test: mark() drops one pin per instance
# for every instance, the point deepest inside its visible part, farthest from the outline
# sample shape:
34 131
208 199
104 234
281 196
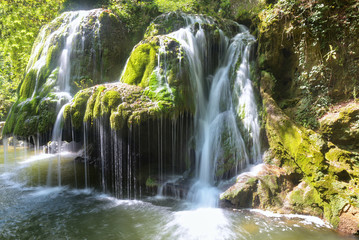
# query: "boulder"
265 186
146 91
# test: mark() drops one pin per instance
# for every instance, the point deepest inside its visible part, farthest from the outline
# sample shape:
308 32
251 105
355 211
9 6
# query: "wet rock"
266 187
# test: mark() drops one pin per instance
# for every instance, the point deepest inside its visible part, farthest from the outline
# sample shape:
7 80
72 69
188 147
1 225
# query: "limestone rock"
303 199
342 126
265 187
173 21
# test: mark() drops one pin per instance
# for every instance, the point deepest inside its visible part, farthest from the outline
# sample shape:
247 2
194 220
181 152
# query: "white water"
218 106
65 59
71 25
39 55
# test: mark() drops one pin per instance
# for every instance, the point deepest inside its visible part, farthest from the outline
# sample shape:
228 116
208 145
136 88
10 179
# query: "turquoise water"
29 209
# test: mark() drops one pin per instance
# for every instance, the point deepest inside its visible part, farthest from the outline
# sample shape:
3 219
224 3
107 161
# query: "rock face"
303 77
312 61
314 176
86 38
342 126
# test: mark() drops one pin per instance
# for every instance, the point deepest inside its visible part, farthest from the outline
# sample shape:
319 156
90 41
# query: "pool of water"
31 208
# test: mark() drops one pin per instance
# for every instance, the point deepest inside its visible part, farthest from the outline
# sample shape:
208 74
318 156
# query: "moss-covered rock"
267 188
240 195
141 64
94 59
122 104
304 199
330 171
342 126
155 84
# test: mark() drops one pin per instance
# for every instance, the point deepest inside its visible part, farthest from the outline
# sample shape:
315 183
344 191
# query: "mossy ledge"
124 104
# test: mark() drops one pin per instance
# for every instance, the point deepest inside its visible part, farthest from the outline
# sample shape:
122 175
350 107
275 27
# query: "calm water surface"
33 205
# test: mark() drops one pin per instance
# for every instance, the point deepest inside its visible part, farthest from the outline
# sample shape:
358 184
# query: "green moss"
241 194
11 120
76 110
117 121
342 127
50 83
28 84
53 56
302 145
47 114
141 64
97 109
330 172
305 199
110 101
90 108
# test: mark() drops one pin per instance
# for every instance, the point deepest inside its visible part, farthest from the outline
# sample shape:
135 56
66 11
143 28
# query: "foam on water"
306 219
47 191
202 223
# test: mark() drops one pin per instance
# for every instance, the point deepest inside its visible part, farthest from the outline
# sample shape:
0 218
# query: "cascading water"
70 26
218 106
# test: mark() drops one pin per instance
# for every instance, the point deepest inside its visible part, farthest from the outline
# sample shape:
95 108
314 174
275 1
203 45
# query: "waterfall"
217 141
5 143
217 106
38 60
63 88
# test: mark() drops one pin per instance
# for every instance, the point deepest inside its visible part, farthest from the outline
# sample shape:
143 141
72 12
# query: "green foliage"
20 22
174 5
84 4
320 40
135 14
